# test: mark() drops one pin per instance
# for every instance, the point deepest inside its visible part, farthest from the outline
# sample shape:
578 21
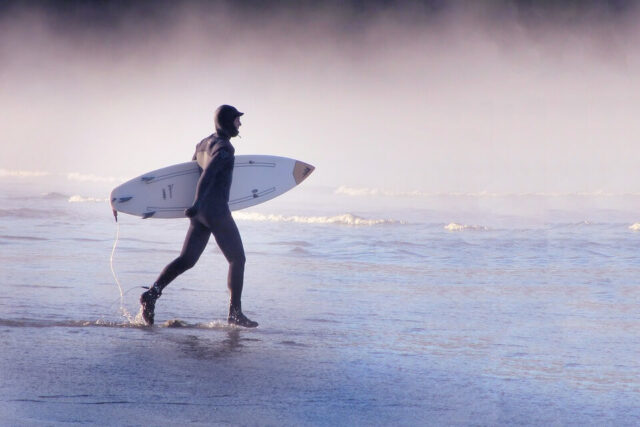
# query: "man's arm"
220 160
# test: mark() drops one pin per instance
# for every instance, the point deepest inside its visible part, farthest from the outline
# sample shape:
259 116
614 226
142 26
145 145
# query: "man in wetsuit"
209 215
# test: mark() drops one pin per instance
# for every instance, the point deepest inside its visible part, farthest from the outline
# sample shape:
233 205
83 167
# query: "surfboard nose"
301 171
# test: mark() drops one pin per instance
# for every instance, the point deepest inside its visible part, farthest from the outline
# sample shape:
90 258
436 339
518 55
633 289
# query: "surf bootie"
237 318
148 303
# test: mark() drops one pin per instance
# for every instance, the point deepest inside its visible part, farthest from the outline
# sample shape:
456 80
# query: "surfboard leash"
123 311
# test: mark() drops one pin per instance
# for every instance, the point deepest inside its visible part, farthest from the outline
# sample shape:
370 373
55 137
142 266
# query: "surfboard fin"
148 214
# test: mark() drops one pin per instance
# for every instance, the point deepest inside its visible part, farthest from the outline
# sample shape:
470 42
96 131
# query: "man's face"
237 123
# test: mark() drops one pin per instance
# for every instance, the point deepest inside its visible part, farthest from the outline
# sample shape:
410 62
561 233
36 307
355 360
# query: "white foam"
22 173
460 227
80 199
344 219
635 227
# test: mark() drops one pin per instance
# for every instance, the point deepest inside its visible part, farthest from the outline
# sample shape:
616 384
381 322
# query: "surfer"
209 215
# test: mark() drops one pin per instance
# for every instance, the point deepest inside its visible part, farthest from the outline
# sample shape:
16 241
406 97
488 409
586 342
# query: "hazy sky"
435 96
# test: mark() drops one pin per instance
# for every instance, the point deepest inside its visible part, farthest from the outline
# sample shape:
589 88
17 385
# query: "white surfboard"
167 192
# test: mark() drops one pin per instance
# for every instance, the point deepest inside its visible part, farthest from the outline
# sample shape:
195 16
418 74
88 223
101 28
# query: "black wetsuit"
210 214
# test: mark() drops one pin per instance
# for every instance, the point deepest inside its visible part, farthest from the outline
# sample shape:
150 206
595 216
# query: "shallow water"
373 310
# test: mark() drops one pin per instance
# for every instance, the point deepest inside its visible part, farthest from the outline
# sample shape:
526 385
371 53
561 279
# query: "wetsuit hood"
223 118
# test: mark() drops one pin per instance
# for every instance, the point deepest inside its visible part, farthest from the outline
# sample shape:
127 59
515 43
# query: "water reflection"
202 347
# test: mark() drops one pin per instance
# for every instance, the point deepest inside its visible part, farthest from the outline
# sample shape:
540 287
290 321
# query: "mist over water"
434 97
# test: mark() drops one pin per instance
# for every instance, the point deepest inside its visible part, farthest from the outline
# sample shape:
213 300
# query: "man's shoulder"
202 145
215 144
206 140
220 143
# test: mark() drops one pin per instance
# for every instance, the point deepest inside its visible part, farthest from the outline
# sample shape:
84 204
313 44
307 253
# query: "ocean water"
375 308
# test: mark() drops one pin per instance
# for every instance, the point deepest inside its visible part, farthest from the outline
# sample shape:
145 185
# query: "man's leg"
194 244
228 238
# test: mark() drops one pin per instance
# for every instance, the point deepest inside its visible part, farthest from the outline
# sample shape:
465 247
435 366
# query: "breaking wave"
345 219
80 199
460 227
22 173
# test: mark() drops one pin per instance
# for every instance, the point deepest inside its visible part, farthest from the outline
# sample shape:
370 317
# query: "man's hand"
191 212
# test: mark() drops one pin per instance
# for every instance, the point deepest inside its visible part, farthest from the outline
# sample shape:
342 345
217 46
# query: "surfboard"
167 192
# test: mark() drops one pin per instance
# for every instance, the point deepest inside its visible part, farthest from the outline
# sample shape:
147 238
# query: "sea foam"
22 173
635 227
81 199
460 227
344 219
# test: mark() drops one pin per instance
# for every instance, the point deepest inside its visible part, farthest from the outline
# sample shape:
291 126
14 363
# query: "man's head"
227 120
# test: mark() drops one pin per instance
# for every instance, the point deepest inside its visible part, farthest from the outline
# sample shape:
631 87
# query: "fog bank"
433 97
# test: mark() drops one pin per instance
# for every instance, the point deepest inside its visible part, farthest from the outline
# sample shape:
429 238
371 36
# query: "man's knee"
185 263
238 259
